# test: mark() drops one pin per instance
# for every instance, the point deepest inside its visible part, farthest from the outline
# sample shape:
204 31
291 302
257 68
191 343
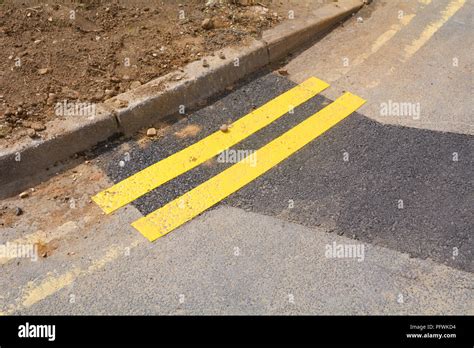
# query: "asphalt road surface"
396 190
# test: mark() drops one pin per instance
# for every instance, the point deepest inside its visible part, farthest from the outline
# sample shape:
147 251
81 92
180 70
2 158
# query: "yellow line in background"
432 28
201 198
378 43
161 172
42 237
389 34
35 292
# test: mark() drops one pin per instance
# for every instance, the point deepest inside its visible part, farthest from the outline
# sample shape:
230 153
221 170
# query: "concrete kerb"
294 34
195 83
162 97
67 138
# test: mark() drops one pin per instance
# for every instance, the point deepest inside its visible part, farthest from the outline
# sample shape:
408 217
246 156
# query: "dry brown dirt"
89 51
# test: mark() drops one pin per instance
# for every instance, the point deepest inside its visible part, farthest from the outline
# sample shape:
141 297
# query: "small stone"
31 133
70 93
260 10
109 92
221 55
38 126
24 194
4 130
211 3
121 103
50 19
224 128
151 132
51 99
98 96
43 71
360 20
207 24
246 2
18 211
205 63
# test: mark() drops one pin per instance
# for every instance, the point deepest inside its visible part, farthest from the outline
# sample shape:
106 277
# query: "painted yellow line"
432 28
379 42
204 196
34 292
389 34
161 172
41 237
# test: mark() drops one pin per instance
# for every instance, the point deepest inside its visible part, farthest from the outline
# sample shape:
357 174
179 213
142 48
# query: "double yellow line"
201 198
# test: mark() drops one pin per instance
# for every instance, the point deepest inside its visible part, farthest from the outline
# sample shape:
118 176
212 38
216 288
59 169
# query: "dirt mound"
95 50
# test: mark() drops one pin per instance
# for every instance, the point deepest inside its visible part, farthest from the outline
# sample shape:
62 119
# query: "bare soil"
93 50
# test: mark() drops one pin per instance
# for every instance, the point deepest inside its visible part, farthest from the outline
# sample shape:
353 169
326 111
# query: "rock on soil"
207 24
104 50
151 132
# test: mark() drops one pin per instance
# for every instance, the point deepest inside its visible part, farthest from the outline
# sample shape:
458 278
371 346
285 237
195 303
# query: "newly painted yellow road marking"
204 196
161 172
